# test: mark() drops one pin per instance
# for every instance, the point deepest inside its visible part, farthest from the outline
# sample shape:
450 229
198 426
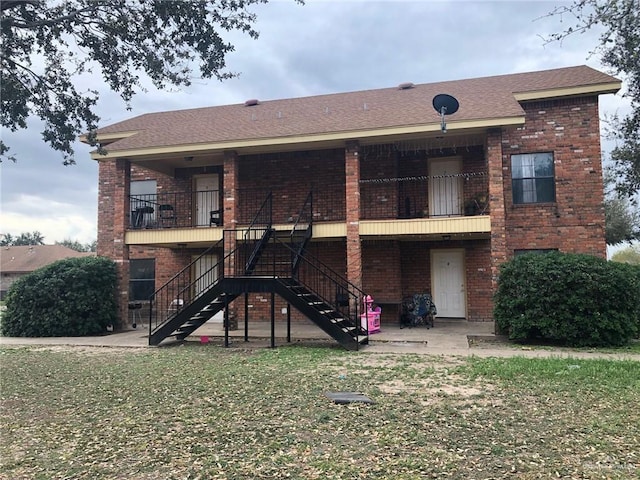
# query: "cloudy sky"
321 47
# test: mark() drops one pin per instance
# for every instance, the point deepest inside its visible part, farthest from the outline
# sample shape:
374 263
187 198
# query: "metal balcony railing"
380 199
176 210
423 197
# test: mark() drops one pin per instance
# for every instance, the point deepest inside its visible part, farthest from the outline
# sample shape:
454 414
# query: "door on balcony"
445 187
207 198
448 284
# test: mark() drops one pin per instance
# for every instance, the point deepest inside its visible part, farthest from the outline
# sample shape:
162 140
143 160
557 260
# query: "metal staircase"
263 260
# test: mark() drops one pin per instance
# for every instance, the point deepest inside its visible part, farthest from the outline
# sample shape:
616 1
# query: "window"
143 187
537 251
142 279
533 178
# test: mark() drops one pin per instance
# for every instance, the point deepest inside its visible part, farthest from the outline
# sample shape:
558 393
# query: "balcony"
415 197
175 210
455 205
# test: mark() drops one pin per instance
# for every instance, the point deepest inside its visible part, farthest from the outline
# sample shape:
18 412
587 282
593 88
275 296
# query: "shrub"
70 297
571 299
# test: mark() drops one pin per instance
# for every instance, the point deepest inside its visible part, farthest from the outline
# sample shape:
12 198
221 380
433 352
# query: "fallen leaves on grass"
203 412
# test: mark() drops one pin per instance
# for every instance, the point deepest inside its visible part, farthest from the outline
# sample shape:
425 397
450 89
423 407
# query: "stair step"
212 308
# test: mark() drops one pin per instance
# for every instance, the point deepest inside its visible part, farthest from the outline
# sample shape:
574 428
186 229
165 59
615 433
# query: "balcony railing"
380 199
176 210
422 197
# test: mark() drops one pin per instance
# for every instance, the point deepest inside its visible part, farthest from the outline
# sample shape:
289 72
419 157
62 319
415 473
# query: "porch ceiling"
168 160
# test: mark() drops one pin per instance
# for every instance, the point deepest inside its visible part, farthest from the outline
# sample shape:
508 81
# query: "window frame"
147 283
535 180
536 251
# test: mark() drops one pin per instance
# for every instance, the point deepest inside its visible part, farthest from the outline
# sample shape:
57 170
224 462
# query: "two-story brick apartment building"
318 201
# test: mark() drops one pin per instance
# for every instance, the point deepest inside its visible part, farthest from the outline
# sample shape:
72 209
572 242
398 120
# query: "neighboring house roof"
488 101
25 259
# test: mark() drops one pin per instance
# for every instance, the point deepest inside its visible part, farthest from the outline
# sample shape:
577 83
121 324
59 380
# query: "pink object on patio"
370 319
204 339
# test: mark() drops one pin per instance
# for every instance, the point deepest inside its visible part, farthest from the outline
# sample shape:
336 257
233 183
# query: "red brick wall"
113 205
478 280
352 192
290 176
575 222
495 160
332 254
382 271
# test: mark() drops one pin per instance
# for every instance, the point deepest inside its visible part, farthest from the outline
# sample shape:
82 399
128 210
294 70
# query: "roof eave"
107 138
599 89
332 138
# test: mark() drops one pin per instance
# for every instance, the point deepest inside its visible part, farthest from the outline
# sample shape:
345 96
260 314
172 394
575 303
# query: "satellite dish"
445 105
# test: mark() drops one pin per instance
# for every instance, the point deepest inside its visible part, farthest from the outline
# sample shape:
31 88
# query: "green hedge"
576 300
71 297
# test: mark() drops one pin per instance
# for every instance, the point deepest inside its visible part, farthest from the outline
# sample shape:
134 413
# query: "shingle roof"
23 259
480 98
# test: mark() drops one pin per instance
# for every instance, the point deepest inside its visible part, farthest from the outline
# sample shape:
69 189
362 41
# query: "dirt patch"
435 389
85 349
488 341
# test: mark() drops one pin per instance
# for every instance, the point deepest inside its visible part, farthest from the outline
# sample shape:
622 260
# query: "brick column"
496 203
113 221
352 185
230 221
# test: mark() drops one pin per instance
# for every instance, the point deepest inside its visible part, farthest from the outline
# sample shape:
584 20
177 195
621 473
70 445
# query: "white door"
205 275
449 292
445 187
207 198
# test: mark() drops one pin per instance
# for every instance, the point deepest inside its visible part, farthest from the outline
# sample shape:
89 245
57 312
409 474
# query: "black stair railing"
255 238
167 301
184 287
328 285
302 231
333 288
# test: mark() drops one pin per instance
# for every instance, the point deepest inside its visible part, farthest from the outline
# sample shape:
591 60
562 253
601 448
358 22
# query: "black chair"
418 309
167 215
215 217
134 308
138 219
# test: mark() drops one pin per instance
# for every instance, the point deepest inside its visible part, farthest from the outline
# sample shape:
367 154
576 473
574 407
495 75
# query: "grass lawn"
204 412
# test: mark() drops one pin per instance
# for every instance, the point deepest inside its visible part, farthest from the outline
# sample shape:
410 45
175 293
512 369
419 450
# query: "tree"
77 246
629 255
34 238
46 46
619 49
622 222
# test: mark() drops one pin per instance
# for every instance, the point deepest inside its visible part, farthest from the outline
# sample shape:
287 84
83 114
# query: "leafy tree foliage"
622 220
47 46
630 255
77 246
71 297
619 49
34 238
